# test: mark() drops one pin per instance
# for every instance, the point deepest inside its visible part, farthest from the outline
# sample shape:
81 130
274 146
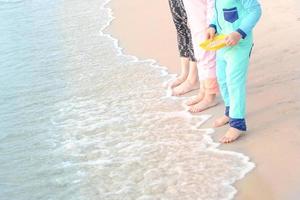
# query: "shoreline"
212 145
260 183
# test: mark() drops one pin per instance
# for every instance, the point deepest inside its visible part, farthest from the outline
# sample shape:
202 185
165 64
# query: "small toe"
193 110
229 140
222 140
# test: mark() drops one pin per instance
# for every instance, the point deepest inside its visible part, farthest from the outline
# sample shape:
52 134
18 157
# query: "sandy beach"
145 29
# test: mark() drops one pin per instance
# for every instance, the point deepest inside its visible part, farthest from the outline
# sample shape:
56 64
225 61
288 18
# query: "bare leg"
185 65
191 83
208 101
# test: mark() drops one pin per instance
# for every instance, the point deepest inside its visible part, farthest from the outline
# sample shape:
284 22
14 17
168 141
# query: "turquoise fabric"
233 62
231 15
232 68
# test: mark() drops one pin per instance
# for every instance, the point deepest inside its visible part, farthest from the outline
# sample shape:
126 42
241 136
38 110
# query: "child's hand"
233 38
210 33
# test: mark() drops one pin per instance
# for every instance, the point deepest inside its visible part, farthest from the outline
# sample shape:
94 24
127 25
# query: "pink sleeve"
210 7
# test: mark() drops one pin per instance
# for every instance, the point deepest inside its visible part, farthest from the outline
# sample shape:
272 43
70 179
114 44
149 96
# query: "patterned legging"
184 36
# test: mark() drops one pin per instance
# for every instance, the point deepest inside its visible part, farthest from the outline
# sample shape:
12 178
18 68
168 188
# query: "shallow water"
80 120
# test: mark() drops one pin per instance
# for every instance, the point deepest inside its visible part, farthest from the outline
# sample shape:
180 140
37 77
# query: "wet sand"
145 29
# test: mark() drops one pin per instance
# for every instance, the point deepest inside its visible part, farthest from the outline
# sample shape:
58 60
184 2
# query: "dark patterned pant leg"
184 36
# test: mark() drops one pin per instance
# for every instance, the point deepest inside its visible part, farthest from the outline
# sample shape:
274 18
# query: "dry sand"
145 29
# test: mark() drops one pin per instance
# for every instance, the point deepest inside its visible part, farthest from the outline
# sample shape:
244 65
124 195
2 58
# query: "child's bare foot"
185 87
195 99
231 135
178 81
221 121
208 102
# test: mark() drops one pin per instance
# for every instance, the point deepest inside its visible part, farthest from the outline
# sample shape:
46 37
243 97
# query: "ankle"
210 97
192 80
201 92
225 117
183 76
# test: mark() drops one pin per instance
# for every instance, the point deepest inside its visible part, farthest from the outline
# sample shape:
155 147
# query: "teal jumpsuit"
232 62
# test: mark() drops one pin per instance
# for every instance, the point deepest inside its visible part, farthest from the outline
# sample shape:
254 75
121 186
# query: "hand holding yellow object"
215 44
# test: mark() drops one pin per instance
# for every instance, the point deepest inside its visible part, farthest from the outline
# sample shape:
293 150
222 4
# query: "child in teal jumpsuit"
235 18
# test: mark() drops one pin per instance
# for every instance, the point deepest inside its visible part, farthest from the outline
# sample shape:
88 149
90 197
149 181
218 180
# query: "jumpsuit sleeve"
210 7
253 10
211 16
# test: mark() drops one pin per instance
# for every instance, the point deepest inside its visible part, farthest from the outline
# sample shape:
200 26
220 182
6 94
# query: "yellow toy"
215 44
